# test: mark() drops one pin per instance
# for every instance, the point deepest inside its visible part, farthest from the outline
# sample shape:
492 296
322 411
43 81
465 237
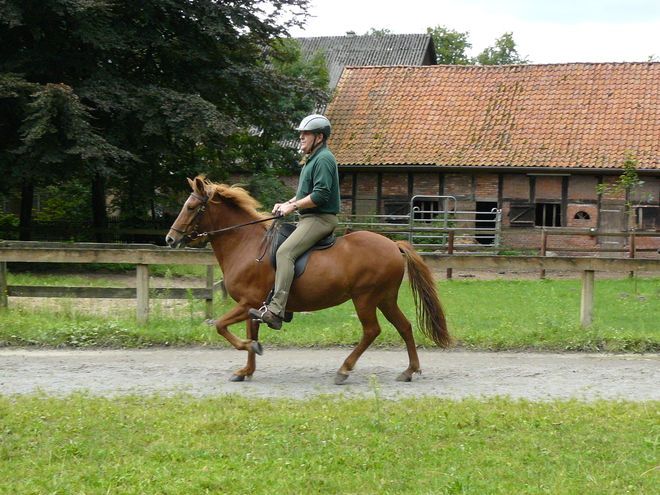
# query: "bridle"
194 234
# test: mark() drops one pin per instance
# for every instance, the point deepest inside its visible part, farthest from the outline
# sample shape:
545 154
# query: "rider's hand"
284 209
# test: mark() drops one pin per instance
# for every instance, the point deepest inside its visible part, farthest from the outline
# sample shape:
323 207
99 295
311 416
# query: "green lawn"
482 314
327 445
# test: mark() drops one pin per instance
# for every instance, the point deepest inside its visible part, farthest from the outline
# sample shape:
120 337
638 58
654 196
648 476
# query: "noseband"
196 235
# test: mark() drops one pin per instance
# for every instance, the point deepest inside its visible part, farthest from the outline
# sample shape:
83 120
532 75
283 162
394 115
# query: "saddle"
282 232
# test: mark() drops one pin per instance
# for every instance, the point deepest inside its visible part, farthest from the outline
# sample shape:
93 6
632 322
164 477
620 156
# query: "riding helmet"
317 124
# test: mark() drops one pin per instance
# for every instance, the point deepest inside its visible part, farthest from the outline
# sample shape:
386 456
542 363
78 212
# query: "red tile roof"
555 116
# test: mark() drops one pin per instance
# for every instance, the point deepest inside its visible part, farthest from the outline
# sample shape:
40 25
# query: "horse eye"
192 208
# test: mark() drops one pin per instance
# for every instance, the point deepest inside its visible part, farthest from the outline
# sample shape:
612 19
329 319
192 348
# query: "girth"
284 230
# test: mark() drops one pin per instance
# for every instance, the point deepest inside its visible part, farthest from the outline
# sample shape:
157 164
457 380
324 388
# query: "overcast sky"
545 31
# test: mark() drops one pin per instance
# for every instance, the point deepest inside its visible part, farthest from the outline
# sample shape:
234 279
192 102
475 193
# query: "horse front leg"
237 314
251 333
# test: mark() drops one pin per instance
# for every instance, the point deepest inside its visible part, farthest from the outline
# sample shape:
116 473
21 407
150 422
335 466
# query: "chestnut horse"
363 266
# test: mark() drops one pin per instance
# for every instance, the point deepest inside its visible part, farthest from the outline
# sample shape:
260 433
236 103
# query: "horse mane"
234 194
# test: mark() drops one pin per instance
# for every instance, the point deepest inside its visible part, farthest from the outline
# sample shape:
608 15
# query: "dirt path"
301 373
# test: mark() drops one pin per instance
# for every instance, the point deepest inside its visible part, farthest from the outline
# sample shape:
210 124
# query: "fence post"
632 248
209 285
142 286
4 300
587 302
544 247
450 250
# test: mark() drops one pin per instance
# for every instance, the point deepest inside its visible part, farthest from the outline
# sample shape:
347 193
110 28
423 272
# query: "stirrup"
256 314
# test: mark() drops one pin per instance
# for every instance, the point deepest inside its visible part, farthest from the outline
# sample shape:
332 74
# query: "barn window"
548 215
397 210
581 215
521 215
647 217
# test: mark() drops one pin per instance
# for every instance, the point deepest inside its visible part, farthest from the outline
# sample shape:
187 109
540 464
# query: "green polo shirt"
320 178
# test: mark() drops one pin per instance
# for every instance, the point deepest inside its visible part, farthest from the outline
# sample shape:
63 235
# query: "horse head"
185 231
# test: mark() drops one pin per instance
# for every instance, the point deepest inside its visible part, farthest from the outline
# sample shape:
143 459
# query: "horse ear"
197 185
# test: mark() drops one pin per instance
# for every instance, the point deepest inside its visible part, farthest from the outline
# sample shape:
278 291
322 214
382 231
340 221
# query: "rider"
318 202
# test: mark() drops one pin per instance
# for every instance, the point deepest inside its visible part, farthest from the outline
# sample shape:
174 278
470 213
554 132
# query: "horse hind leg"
366 311
395 316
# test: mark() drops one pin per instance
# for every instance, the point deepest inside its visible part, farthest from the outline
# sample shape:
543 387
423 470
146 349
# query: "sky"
545 31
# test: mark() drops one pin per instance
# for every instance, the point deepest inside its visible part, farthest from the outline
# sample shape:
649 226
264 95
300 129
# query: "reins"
203 234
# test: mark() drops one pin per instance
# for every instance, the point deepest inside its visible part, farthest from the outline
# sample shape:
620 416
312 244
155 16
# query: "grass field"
327 445
482 314
233 444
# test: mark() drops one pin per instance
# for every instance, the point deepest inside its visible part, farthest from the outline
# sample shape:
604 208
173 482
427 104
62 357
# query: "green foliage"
7 220
137 96
503 53
56 131
378 32
65 201
236 444
266 188
627 183
450 46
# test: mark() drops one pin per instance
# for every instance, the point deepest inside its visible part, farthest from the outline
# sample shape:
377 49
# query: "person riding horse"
318 201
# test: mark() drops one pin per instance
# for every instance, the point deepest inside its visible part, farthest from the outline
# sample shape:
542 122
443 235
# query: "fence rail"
145 255
141 255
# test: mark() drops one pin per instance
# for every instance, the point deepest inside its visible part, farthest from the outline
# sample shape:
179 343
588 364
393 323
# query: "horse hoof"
340 378
257 348
240 378
404 378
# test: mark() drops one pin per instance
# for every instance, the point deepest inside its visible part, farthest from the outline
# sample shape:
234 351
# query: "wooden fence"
145 255
141 255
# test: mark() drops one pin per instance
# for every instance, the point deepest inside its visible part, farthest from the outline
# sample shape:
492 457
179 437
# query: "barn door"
612 220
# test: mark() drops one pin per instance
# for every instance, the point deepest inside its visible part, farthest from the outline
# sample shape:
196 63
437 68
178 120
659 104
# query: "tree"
159 88
378 32
450 46
503 53
628 183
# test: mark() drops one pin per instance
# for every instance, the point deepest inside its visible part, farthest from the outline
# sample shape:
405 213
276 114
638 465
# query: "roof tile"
562 115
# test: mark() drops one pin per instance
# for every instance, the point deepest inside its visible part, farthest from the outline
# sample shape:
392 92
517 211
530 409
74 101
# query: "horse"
362 266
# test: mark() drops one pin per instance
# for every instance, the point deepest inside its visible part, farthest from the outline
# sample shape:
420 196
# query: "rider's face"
308 141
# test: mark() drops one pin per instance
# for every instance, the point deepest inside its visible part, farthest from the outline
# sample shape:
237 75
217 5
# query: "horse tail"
430 315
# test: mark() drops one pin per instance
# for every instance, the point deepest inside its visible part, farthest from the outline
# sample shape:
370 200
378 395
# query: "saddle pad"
284 230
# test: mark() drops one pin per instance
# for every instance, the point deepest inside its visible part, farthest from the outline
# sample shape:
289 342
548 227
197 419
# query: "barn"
534 141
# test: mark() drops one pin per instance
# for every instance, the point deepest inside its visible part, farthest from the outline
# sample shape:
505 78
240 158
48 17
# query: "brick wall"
346 185
459 186
426 184
516 186
396 185
487 187
582 187
575 209
548 188
367 184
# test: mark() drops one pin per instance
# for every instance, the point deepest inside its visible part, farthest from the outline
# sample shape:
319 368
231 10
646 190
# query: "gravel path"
301 373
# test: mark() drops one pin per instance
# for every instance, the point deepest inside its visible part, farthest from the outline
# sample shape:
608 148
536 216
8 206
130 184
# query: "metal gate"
433 217
429 221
